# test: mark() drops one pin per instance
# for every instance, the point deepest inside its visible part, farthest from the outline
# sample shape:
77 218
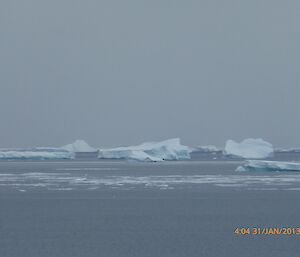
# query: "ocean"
131 209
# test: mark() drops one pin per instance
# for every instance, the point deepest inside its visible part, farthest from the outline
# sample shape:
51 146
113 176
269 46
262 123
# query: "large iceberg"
79 146
258 165
249 149
35 154
153 151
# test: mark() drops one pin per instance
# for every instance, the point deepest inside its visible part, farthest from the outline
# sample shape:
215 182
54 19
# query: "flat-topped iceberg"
35 155
249 149
254 165
152 151
79 146
46 153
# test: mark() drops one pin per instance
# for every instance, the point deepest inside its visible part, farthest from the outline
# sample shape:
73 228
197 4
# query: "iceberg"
249 149
46 153
207 149
170 149
79 146
258 165
289 150
34 155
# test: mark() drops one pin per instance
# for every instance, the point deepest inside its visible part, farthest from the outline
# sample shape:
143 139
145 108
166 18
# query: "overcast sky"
115 72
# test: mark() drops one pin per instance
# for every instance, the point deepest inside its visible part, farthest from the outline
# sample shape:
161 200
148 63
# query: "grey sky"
118 72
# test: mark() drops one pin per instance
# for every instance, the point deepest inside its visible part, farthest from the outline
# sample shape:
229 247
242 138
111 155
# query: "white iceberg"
35 155
79 146
119 153
258 165
249 149
153 151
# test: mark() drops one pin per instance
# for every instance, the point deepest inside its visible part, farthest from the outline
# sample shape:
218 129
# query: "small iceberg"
79 146
207 149
289 150
152 151
254 165
249 149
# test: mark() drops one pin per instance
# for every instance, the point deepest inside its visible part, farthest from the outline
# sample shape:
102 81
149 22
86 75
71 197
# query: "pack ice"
258 165
249 149
170 149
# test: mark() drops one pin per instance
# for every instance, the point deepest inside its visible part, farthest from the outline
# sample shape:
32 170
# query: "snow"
258 165
79 146
35 155
170 149
249 149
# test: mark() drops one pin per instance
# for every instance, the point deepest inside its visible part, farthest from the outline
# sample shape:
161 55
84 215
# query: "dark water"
119 209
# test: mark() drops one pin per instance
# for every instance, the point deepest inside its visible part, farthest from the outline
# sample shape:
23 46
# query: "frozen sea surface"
170 209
